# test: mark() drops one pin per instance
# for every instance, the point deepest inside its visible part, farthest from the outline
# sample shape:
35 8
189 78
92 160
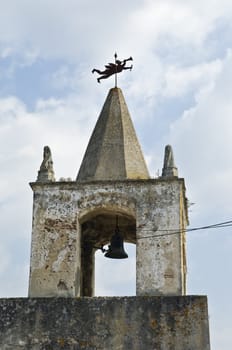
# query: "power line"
174 232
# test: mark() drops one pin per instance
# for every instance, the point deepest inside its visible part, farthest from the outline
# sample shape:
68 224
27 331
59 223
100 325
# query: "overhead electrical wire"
170 232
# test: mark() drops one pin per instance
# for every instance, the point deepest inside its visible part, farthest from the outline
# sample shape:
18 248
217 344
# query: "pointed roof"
113 152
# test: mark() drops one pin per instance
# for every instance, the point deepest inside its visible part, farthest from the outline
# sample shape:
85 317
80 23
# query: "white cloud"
202 139
68 29
169 17
181 80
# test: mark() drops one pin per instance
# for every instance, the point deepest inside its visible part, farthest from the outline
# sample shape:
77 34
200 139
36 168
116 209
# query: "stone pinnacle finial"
169 168
46 172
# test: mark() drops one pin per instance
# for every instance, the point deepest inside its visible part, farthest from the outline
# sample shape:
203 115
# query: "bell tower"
73 219
113 200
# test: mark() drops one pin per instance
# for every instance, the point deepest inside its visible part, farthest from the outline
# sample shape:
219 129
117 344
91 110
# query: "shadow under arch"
97 228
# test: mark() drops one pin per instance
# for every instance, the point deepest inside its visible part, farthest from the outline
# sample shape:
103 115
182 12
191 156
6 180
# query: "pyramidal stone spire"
169 168
113 152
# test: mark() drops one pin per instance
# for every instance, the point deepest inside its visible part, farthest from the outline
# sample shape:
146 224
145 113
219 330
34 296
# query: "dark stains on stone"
179 323
62 286
57 224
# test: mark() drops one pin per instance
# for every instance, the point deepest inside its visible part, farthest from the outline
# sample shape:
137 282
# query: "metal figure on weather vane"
113 68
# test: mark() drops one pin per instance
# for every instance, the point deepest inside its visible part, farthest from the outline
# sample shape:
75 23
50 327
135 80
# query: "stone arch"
97 226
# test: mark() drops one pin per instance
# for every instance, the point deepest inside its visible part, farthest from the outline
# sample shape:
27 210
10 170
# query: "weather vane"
113 68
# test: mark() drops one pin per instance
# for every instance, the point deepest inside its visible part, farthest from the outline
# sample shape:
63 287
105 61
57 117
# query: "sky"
178 93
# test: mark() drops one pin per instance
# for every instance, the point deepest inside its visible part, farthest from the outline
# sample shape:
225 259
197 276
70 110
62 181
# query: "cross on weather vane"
113 68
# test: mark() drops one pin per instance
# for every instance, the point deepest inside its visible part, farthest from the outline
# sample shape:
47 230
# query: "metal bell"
116 249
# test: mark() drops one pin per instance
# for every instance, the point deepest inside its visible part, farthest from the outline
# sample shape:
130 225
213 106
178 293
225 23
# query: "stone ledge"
106 323
76 185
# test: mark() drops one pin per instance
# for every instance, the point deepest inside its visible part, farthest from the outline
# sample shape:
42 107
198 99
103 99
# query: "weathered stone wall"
60 208
138 323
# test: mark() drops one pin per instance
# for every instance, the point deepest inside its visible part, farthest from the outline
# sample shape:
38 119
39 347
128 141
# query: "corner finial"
169 168
46 172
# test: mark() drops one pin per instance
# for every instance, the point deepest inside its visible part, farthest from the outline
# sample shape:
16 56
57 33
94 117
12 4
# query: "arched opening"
97 229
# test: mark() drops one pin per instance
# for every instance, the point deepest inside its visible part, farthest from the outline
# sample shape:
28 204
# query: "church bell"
116 248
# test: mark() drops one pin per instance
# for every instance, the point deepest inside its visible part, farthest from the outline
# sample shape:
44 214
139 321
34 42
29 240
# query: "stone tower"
72 219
